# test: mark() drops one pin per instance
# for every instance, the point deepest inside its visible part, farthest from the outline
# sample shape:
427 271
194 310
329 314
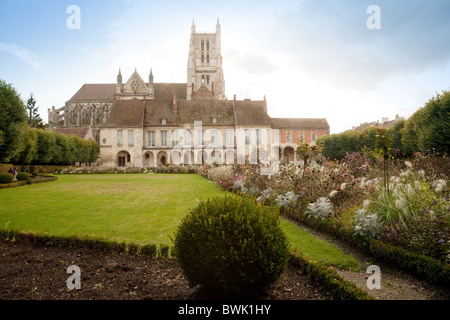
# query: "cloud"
254 63
331 40
23 54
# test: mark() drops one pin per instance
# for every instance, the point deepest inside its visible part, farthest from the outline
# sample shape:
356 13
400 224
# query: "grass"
317 249
139 208
132 208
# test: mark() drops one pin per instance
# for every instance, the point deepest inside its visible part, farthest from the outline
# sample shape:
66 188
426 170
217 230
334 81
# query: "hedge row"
413 263
43 178
338 287
151 250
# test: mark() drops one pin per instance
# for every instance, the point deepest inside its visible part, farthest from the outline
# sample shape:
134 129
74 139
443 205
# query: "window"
302 137
289 137
277 138
119 138
248 137
214 120
207 77
130 138
203 59
258 136
164 138
121 162
187 138
207 45
230 138
199 137
174 138
214 136
313 137
207 58
151 138
163 121
203 45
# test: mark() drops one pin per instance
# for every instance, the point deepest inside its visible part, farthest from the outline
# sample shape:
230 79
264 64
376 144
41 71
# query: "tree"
383 148
304 151
33 118
27 155
428 129
12 123
46 147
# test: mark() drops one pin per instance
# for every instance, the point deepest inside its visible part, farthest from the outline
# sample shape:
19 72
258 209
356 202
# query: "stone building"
141 123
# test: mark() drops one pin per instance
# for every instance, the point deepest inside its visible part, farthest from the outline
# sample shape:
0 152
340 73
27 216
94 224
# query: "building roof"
304 123
205 111
106 91
98 91
80 132
251 113
203 94
126 113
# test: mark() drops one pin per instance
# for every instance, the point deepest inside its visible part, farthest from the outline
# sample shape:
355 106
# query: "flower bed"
403 219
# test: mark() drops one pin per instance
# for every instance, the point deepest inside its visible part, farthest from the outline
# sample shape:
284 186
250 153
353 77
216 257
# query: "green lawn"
317 249
137 208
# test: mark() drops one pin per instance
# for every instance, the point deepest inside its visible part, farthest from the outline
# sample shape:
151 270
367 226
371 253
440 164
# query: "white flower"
408 164
421 172
343 186
322 208
417 184
333 194
399 203
366 204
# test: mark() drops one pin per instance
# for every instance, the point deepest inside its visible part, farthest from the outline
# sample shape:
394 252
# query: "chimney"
174 103
265 104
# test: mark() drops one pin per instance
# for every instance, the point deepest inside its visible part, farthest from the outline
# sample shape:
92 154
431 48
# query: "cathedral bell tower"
205 63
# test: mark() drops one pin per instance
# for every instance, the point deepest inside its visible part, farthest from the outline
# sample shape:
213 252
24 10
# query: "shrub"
368 224
23 176
231 246
6 178
322 208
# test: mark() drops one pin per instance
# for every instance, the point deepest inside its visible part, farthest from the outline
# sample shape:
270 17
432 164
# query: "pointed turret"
193 27
119 78
150 77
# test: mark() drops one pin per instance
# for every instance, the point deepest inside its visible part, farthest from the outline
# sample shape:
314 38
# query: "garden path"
395 284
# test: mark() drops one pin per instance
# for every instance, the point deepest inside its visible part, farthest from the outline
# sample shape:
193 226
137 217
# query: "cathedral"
142 123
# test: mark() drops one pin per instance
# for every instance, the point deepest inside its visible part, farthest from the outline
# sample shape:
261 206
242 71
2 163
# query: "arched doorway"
123 159
289 154
161 158
149 159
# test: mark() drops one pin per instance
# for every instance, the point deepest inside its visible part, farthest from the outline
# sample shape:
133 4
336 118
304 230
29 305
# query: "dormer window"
214 120
163 121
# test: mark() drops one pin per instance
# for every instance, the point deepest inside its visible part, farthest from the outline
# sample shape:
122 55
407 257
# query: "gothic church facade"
141 123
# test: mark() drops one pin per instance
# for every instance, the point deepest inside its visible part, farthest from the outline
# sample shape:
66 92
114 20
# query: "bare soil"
30 272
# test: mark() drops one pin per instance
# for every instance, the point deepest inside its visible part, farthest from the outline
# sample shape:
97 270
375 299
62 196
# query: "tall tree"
33 118
12 123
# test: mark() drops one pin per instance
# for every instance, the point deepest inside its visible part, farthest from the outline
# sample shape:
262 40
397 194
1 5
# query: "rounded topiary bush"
22 176
6 178
231 246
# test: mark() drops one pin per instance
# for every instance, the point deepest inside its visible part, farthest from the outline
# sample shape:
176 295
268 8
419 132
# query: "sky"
343 60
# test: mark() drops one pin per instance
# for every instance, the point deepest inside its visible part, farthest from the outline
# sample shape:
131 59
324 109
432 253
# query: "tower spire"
193 26
119 77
